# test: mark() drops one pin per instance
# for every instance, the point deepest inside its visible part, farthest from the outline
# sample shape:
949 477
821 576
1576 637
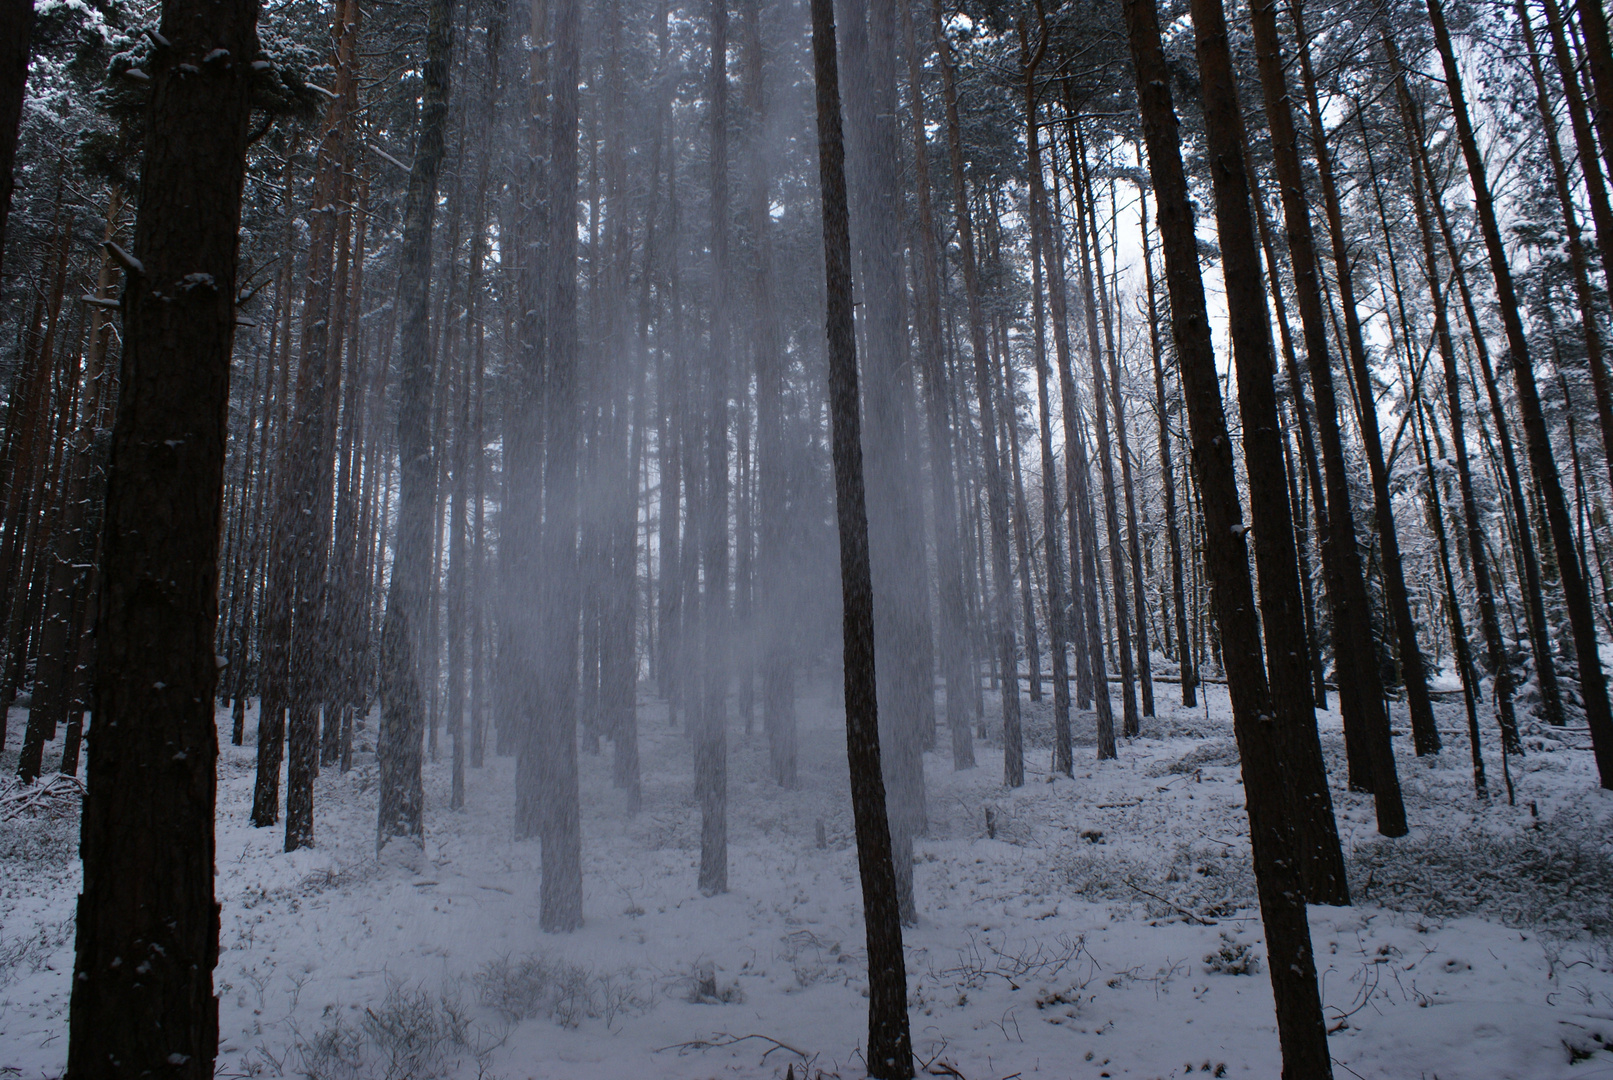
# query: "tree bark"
1319 857
889 1055
16 29
142 998
711 731
1282 908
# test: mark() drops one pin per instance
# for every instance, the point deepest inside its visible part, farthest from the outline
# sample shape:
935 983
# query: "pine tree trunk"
1087 239
1319 858
1361 698
554 735
1601 389
1301 410
1282 908
1599 58
1413 672
711 730
1524 549
1092 686
1584 138
147 923
1453 608
889 1054
1145 678
16 30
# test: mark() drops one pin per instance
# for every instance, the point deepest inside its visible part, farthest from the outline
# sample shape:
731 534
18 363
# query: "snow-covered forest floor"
1107 929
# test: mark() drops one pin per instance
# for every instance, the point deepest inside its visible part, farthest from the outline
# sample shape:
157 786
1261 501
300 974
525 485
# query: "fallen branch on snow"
1183 912
723 1039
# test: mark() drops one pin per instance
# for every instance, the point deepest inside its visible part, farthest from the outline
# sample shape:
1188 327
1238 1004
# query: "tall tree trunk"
1495 648
1282 908
1453 607
1528 562
900 565
1361 698
1145 677
890 1051
711 732
553 741
1584 138
16 30
1315 834
1599 58
1301 409
147 834
1092 683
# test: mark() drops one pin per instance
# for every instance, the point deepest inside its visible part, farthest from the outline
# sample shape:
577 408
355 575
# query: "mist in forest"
531 526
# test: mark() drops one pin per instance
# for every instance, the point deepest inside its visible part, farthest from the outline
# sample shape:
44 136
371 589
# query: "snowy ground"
1106 931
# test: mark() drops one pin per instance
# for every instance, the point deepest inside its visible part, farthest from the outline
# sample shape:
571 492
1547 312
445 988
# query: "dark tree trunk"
1092 686
1584 140
895 524
1453 607
1361 698
889 1054
1599 58
1495 648
1301 409
1601 389
1282 908
16 30
1319 858
307 479
148 926
1145 676
772 463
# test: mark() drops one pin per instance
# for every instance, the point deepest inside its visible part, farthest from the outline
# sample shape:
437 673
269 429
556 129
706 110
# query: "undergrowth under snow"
1100 926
